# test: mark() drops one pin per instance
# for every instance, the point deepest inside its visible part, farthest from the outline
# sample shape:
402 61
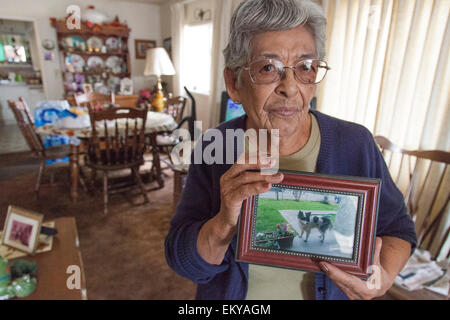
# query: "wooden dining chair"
117 147
166 141
180 168
27 110
424 178
92 99
175 107
24 121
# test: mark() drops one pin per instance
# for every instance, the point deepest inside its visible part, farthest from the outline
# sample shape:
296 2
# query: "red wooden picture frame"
366 191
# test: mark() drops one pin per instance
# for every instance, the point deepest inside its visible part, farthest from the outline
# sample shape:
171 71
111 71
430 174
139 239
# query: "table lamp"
158 63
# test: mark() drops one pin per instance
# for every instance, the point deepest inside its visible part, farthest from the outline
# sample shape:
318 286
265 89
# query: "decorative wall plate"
100 87
114 63
72 42
95 42
113 83
48 44
76 61
112 43
95 62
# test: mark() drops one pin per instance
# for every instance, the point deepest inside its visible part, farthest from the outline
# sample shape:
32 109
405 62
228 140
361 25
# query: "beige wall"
166 32
143 20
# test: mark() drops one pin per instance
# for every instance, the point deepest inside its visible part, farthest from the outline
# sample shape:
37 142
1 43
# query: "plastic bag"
49 112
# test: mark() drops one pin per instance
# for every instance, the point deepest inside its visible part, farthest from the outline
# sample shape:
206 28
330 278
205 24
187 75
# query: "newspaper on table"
422 272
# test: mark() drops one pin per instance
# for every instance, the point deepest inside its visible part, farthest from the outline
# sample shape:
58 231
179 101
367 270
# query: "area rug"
123 251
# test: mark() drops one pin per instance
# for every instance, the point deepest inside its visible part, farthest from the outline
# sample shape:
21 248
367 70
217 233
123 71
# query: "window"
14 49
197 47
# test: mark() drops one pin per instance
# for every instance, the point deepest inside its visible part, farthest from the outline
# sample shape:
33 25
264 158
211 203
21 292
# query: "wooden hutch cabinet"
96 54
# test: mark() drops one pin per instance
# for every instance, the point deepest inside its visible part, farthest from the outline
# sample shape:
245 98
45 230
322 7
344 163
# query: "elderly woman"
273 65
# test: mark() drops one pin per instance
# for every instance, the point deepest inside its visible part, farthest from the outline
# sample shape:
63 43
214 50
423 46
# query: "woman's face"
284 104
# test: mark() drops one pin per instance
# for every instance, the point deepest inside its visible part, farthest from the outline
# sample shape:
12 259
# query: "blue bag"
48 112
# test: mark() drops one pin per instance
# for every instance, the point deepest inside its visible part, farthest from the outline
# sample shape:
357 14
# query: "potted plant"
281 238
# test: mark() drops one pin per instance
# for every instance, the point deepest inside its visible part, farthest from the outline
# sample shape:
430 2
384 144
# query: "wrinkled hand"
238 184
355 288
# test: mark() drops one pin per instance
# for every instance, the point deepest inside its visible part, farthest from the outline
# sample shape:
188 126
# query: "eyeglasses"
267 71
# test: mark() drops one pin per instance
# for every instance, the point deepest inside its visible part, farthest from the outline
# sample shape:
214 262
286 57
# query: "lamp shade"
158 63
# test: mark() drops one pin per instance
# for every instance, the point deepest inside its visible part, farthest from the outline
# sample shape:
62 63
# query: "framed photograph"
22 229
87 88
309 218
142 46
167 44
126 86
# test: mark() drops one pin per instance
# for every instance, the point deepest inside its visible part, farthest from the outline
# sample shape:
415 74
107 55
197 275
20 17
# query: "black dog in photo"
322 224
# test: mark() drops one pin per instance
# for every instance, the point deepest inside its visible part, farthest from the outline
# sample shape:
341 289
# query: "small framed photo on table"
22 228
87 88
309 218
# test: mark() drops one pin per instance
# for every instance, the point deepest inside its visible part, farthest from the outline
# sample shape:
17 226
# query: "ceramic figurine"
20 287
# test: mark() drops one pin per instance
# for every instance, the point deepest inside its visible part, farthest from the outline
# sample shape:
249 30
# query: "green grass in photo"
269 216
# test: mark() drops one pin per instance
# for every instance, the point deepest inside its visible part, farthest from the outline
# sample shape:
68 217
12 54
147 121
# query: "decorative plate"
76 61
101 88
95 42
114 63
48 44
113 83
112 43
95 62
72 41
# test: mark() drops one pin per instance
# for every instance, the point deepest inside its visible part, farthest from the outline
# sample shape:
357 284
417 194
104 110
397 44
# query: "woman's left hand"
356 289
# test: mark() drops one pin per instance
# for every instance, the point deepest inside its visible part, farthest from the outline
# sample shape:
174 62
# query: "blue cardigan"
346 149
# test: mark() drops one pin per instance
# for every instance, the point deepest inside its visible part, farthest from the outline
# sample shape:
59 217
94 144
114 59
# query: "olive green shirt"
270 283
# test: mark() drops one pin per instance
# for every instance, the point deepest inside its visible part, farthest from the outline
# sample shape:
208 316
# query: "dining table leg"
74 171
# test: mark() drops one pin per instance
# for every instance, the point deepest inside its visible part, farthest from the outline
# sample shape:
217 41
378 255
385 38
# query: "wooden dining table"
157 122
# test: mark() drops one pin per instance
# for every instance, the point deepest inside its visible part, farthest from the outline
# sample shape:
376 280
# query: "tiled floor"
12 140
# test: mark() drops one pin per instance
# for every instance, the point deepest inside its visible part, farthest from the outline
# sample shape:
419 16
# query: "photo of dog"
307 224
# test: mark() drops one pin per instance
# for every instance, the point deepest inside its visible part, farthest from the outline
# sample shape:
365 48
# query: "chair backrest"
90 100
24 121
118 136
27 110
424 179
175 107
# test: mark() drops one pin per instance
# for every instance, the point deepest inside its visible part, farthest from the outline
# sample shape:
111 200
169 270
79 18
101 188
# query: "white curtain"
177 23
390 68
223 10
391 72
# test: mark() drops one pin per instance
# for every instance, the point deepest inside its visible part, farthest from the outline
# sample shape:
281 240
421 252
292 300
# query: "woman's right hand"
236 185
242 181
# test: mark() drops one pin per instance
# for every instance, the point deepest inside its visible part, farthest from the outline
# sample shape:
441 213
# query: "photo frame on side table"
21 230
309 218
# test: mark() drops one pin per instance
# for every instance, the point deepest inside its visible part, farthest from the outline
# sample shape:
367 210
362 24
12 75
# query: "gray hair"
256 16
